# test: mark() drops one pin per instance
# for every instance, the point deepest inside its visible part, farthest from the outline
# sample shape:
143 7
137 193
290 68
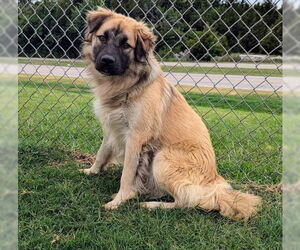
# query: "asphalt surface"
202 80
244 65
224 65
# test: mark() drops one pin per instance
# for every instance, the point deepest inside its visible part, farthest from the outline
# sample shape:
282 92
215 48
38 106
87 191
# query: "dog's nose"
107 59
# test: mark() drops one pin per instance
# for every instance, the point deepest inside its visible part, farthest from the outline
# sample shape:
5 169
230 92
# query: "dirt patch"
87 159
276 188
260 188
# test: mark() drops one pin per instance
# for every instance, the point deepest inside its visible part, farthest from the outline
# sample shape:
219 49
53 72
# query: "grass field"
176 69
59 208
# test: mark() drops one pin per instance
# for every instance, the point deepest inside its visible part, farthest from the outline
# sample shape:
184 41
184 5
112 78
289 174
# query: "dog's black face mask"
111 55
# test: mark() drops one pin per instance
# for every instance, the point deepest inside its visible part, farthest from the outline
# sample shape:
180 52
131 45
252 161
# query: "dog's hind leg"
178 174
192 185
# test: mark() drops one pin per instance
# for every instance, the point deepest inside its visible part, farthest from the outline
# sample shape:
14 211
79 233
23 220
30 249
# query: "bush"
234 57
206 44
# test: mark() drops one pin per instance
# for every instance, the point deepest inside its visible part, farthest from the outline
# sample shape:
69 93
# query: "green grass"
61 208
223 71
175 69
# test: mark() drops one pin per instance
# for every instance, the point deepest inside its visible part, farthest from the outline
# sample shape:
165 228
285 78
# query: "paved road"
225 65
201 80
192 64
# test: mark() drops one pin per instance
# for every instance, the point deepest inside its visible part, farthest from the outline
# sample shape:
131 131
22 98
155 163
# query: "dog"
148 126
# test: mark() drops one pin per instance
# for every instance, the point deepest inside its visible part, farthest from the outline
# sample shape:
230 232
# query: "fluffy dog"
148 126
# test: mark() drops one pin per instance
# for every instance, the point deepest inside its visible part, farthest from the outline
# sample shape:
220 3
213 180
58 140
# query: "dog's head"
116 41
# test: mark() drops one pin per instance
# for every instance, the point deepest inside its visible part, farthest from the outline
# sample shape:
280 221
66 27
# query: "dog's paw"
111 205
87 171
114 195
119 198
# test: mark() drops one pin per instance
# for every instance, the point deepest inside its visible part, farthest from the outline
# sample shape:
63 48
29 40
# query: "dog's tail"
231 203
237 205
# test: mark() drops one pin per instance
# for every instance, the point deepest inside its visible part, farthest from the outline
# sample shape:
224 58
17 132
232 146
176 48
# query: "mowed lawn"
62 208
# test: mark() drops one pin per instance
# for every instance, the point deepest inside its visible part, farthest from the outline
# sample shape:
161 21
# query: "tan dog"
148 125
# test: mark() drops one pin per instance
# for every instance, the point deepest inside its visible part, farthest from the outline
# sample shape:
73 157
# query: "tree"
51 28
206 44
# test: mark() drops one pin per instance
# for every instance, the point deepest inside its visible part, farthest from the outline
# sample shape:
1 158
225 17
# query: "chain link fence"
224 56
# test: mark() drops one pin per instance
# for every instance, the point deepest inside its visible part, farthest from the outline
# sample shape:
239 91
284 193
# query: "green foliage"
206 44
55 28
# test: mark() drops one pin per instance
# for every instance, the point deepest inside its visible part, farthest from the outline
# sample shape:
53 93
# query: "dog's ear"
145 41
95 19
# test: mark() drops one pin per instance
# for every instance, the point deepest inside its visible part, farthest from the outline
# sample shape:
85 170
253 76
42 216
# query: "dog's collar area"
118 101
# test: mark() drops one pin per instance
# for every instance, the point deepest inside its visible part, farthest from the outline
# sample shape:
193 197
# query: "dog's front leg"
127 189
102 158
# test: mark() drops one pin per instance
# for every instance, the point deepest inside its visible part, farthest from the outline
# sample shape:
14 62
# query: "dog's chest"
115 123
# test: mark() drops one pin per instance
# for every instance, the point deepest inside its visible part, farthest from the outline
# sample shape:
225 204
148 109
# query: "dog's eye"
126 46
102 38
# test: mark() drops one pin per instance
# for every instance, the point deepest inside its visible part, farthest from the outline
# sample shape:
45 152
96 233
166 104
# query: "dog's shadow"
108 182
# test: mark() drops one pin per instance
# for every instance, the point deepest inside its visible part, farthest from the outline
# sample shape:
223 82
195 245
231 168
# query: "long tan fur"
150 128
